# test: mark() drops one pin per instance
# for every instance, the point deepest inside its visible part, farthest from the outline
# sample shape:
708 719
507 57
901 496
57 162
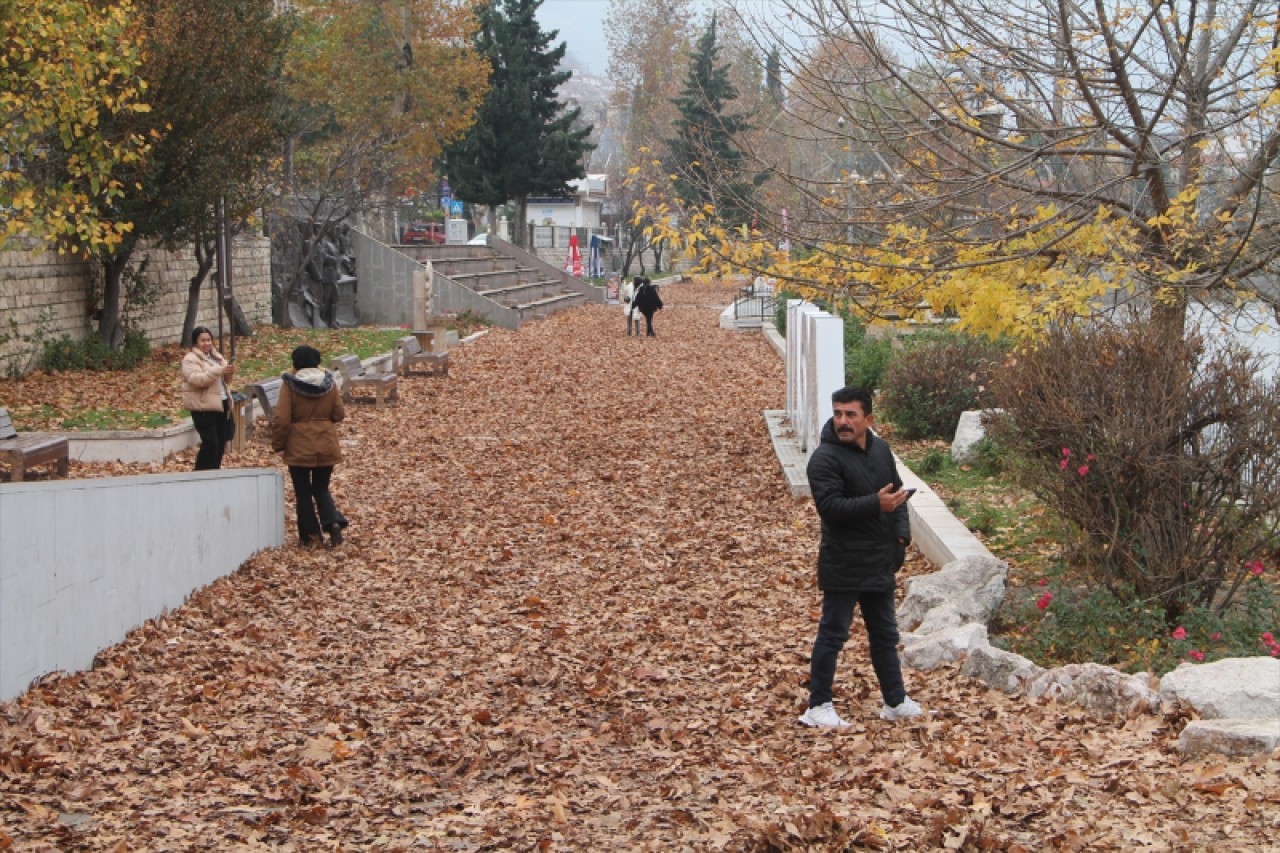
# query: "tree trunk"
204 263
239 322
521 225
110 328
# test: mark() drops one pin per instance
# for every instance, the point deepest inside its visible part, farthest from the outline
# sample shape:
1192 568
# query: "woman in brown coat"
304 427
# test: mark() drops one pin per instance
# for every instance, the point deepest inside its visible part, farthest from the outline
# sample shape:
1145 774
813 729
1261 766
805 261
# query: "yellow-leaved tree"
376 89
65 68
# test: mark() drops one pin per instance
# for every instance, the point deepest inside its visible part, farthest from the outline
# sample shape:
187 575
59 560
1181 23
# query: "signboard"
455 208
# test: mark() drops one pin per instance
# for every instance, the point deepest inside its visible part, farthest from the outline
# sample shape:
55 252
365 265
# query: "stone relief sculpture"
314 275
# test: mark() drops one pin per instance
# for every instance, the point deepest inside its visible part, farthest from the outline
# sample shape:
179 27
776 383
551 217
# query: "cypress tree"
707 165
524 141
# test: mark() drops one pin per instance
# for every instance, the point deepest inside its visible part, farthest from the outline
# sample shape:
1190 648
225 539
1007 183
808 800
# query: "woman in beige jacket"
206 393
304 428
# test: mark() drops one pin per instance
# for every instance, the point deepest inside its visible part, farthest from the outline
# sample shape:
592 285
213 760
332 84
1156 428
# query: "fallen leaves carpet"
573 612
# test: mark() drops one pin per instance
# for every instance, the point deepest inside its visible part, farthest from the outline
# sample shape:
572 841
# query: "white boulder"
1229 737
1000 669
932 650
971 587
1101 690
969 432
1244 688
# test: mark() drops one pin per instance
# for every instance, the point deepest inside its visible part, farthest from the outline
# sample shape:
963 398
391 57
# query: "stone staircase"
506 284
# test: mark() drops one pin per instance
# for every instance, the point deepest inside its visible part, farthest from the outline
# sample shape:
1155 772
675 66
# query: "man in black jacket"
865 533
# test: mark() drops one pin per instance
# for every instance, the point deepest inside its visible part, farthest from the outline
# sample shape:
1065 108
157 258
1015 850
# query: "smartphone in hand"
910 492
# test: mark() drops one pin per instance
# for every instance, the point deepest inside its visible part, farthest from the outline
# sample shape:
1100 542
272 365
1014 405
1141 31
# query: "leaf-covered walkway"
573 613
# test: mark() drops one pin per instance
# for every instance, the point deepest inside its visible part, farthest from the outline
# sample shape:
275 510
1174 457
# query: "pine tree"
524 141
707 165
773 77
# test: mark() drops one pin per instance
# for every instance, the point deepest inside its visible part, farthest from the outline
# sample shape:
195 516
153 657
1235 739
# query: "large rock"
972 587
932 650
1229 737
1246 688
1101 690
1000 669
969 431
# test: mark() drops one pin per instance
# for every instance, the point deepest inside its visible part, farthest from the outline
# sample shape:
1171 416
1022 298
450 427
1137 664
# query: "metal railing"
754 304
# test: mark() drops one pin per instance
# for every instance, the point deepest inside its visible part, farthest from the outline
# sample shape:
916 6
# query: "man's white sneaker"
823 716
905 711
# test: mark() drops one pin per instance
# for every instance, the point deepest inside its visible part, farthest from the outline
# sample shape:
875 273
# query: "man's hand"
891 499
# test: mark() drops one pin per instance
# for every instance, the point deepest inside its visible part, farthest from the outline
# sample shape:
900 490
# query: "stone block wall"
44 296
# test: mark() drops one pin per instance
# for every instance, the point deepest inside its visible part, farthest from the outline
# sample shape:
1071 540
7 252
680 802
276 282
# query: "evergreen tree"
773 77
707 165
524 141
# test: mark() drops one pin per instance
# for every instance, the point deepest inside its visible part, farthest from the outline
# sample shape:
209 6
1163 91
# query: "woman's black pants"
215 430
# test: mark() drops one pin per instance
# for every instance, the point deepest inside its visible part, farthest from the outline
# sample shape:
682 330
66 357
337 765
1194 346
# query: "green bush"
1055 626
935 377
92 354
866 358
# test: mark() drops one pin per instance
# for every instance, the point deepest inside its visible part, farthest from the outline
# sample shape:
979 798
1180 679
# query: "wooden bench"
355 377
266 393
23 451
408 354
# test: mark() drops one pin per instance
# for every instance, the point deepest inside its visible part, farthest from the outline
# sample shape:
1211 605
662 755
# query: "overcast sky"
581 25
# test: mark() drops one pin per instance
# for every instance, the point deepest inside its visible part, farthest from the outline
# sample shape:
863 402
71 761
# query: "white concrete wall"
83 562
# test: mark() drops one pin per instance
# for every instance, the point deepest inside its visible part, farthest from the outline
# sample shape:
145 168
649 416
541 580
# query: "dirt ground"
574 612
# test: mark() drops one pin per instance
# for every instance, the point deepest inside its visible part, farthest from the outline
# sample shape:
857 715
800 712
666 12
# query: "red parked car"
429 232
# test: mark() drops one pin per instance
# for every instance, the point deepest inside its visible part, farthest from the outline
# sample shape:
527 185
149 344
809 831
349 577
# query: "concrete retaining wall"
394 289
62 600
44 296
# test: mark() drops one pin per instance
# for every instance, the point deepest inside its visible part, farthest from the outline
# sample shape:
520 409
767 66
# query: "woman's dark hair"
305 356
197 332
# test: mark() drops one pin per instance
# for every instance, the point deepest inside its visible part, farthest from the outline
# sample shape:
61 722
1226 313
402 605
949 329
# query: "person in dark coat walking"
304 427
865 533
647 302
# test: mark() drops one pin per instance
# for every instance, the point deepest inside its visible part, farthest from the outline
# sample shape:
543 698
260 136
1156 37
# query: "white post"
826 372
793 358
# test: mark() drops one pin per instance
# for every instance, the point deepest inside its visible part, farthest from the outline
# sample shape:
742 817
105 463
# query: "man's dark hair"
852 394
305 356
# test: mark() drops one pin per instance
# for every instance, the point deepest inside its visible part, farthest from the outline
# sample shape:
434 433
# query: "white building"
580 210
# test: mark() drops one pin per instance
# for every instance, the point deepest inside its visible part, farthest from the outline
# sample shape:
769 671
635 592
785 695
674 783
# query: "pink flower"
1063 464
1066 452
1044 600
1255 568
1275 651
1215 636
1044 582
1090 458
1196 656
1267 638
1179 633
1082 470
